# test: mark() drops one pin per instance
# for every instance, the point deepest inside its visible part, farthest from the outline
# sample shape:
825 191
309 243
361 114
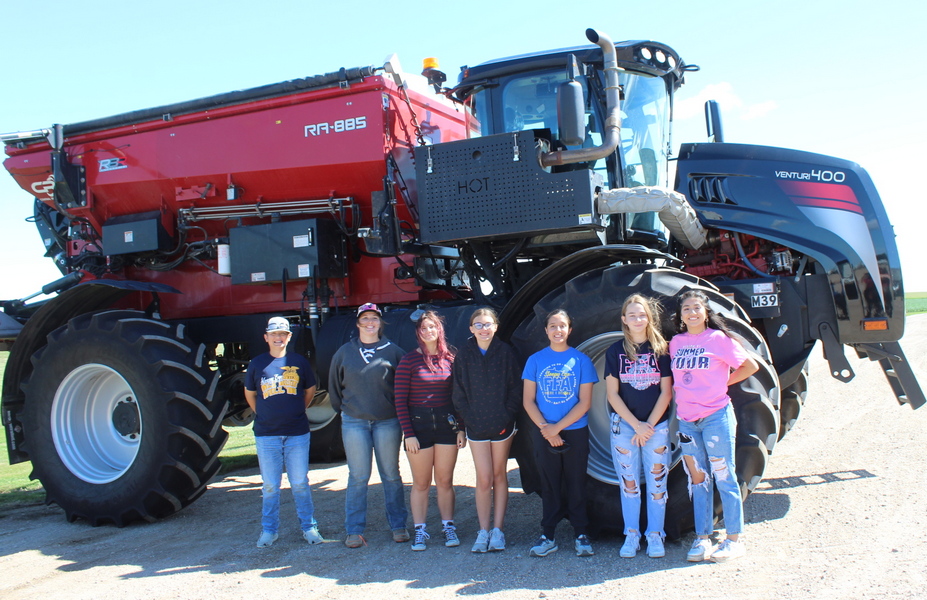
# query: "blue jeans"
629 461
363 438
710 442
273 453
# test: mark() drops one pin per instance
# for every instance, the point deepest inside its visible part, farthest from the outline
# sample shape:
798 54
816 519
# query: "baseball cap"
277 324
369 307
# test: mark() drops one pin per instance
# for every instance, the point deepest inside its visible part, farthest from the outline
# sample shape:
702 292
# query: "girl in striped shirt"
433 431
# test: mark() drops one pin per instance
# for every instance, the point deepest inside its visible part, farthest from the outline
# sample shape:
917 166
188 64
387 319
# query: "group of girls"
443 401
438 402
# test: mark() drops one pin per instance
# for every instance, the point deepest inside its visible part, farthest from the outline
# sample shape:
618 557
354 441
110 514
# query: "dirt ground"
842 513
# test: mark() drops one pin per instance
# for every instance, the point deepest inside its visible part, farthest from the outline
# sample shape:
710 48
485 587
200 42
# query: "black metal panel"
128 234
286 250
476 188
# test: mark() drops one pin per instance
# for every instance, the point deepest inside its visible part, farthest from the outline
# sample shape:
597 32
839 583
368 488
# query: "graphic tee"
702 365
281 385
558 376
638 380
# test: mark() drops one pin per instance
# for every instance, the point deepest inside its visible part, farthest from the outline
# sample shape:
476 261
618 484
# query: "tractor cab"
562 94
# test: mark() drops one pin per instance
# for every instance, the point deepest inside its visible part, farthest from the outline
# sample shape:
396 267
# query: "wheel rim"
601 466
96 424
321 413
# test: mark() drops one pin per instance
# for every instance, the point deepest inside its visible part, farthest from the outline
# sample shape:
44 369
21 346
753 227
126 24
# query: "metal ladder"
897 370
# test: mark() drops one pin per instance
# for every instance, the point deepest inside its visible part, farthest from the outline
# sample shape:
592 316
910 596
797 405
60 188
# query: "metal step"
897 370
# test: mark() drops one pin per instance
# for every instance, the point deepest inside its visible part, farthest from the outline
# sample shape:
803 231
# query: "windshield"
529 101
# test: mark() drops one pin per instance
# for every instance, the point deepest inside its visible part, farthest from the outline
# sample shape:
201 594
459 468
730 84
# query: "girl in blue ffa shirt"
638 382
557 395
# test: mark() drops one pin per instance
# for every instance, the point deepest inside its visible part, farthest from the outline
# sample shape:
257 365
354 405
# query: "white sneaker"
267 539
632 543
655 547
543 547
313 536
496 540
482 542
728 550
583 547
701 550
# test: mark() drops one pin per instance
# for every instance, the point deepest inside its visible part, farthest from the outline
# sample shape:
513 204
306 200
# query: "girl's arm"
746 369
534 413
402 387
459 396
612 386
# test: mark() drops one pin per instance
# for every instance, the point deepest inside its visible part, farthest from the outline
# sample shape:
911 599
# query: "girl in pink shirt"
705 362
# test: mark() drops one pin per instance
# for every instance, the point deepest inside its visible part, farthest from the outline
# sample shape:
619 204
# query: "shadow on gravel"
217 534
766 505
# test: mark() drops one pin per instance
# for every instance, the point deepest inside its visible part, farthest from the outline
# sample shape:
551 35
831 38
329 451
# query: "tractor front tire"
120 417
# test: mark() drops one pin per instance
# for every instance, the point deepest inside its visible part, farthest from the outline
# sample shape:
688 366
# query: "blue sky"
835 77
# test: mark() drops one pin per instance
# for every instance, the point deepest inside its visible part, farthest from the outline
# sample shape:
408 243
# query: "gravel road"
842 513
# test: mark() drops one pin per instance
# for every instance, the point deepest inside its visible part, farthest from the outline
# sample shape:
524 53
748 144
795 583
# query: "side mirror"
571 108
713 121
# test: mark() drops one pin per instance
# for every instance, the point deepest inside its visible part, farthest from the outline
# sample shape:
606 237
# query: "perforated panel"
476 190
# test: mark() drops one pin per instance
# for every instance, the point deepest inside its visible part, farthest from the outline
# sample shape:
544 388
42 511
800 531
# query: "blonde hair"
652 310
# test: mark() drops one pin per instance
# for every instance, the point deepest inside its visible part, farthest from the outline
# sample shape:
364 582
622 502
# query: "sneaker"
496 540
313 536
450 536
543 547
727 550
267 539
583 547
632 543
420 536
482 542
701 550
655 547
355 540
401 535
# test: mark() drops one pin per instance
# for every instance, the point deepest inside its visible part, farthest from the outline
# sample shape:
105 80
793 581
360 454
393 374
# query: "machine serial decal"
338 126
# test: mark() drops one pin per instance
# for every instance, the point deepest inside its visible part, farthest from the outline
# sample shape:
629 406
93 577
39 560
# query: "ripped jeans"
710 441
629 461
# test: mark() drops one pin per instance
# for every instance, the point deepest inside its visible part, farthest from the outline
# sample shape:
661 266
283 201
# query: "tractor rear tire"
594 301
121 420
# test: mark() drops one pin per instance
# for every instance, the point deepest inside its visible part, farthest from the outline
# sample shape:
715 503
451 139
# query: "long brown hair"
444 352
652 310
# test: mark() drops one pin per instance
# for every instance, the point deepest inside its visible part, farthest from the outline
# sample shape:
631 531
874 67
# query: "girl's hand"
549 430
555 440
639 440
412 446
461 439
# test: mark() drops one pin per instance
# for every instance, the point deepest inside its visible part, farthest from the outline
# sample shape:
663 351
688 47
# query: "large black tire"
120 417
793 400
594 301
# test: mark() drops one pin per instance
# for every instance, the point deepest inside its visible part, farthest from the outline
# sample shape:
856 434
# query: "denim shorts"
433 426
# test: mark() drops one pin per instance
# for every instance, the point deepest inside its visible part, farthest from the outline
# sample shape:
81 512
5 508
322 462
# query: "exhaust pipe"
612 134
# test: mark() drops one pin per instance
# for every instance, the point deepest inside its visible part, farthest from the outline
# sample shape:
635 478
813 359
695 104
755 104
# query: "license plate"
764 300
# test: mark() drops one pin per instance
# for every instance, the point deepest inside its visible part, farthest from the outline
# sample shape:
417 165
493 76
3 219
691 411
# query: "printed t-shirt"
702 365
281 384
558 376
639 380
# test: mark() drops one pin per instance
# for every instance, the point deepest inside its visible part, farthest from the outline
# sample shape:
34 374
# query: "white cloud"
757 111
731 104
694 106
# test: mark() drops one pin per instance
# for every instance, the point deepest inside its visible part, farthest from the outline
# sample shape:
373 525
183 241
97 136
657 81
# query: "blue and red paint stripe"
822 195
